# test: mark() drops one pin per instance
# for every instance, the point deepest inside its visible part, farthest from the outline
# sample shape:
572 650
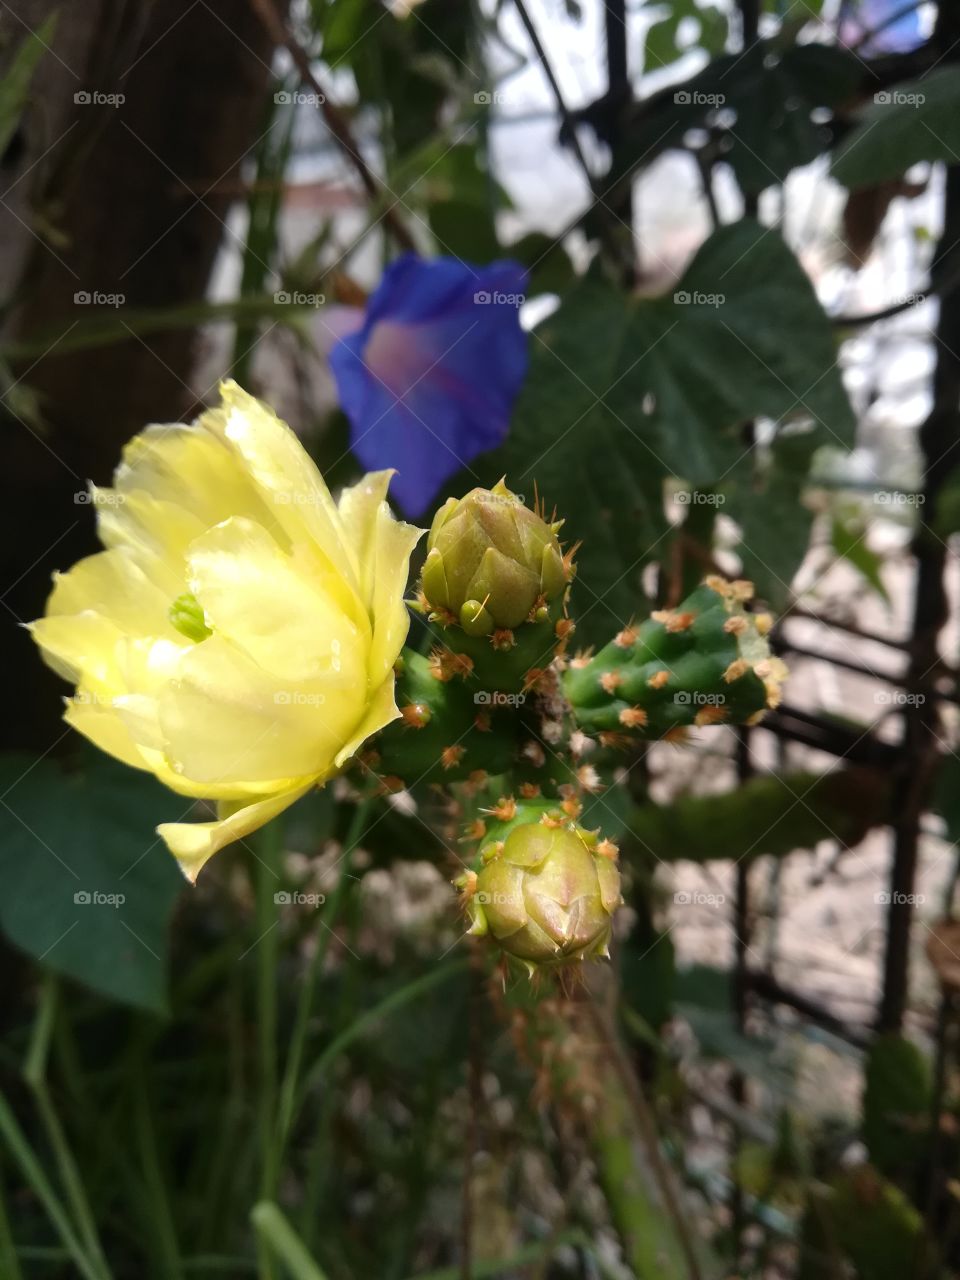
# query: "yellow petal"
226 720
381 710
358 506
82 648
193 843
103 727
393 541
188 467
253 594
284 473
153 533
112 584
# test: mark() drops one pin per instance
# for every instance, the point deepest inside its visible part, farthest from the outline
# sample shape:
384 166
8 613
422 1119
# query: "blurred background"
740 226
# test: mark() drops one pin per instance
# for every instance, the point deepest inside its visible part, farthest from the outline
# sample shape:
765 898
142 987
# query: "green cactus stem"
447 731
705 662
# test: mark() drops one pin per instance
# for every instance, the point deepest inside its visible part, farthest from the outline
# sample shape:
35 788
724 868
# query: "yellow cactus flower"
237 637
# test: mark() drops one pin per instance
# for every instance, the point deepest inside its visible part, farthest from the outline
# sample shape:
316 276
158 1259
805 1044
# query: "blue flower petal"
430 379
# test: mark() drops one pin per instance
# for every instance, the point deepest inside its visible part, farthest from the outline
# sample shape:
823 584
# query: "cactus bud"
491 561
495 580
547 892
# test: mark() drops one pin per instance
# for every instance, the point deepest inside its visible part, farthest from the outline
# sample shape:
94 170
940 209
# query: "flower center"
186 616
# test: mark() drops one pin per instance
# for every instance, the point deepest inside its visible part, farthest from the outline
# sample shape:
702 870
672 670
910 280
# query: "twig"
335 119
768 988
569 123
921 742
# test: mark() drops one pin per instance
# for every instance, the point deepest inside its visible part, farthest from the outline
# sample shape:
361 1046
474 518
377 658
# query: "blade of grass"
9 1266
33 1171
270 847
35 1074
277 1233
166 1254
291 1078
264 204
390 1004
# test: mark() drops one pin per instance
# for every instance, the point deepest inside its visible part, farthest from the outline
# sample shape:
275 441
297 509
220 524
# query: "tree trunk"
99 197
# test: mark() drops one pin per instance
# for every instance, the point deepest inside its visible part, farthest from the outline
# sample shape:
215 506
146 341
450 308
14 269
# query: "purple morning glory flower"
429 379
898 29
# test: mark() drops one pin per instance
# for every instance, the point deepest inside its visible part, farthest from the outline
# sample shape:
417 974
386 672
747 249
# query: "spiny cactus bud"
494 584
705 662
547 892
492 563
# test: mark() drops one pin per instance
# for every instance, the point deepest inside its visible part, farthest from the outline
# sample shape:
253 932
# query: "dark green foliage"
913 121
85 883
769 815
624 392
896 1108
